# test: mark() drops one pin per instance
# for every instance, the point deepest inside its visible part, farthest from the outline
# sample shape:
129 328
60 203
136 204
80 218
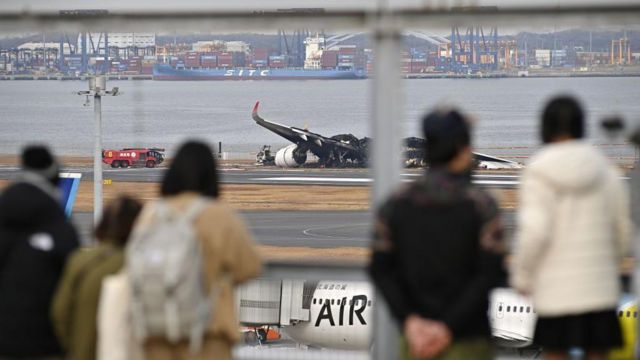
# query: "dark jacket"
35 239
438 251
75 304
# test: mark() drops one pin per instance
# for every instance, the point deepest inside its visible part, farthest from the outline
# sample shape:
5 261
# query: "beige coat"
228 249
573 230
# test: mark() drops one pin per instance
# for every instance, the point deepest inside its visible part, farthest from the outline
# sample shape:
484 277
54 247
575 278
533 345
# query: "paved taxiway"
317 229
274 176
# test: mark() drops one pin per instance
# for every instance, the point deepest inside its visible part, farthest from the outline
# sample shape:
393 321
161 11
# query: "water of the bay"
154 113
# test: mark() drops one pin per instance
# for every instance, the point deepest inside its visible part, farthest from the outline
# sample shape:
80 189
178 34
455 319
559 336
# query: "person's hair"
192 169
563 116
447 132
117 220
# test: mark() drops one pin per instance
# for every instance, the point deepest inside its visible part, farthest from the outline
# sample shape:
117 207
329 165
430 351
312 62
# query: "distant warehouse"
120 40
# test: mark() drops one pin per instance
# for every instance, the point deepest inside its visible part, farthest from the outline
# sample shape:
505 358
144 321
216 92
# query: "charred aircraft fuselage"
338 150
345 150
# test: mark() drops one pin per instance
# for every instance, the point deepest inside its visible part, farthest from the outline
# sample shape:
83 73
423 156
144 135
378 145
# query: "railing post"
386 166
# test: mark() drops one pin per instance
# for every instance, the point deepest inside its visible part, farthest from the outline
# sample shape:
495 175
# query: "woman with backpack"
75 304
188 252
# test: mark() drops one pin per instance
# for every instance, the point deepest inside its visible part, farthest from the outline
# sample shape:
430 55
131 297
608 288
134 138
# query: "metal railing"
386 26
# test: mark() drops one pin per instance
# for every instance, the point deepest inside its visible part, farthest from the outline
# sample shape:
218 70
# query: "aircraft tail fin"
254 113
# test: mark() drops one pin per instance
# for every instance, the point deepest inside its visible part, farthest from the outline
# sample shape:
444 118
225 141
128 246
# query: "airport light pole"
97 88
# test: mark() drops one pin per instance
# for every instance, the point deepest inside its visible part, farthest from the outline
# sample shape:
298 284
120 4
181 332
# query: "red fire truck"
134 157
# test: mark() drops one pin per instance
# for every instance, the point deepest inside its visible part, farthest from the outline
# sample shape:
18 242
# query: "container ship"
238 63
167 72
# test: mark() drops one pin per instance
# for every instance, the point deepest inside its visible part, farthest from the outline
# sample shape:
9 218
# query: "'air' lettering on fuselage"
326 313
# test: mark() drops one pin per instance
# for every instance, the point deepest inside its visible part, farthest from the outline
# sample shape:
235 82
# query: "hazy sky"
167 5
172 6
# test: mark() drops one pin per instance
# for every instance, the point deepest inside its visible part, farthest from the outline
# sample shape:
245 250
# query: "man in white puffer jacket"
573 230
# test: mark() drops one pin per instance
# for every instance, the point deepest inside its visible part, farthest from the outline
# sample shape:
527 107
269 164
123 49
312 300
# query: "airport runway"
274 176
317 229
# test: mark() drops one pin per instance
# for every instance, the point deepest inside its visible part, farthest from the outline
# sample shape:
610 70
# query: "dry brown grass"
261 197
87 161
307 254
242 197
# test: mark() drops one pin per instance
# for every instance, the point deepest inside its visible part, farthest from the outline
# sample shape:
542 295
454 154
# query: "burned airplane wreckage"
343 150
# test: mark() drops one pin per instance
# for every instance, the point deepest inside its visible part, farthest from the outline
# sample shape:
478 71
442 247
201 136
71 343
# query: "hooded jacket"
35 240
573 230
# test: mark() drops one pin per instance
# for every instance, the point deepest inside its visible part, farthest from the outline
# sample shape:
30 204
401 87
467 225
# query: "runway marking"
496 176
314 179
366 180
309 232
495 182
488 176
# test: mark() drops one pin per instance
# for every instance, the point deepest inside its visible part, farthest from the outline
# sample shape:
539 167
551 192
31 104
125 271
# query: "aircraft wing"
297 135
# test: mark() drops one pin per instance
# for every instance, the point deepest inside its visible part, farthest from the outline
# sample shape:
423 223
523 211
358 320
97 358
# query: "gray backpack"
165 266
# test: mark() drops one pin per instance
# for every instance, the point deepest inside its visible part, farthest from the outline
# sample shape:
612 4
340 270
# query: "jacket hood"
29 203
570 165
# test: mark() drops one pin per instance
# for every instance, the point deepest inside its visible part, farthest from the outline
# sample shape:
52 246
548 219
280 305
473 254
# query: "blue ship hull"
166 72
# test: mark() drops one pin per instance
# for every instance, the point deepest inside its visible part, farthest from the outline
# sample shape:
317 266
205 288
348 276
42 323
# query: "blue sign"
69 183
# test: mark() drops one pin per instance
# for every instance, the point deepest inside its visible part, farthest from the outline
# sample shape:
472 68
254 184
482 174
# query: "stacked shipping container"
260 57
225 60
192 60
277 62
209 60
329 59
134 64
147 65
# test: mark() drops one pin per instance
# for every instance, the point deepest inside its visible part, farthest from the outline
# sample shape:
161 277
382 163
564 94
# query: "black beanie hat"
38 159
447 132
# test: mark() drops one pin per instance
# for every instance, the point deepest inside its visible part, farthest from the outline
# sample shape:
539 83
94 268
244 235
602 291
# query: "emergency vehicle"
134 157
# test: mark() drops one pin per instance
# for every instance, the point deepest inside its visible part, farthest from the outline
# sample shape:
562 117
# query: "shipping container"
225 59
239 59
369 68
351 50
209 61
261 54
277 64
329 59
259 63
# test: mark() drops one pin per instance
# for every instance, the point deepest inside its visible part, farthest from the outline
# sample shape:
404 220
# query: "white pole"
385 120
97 160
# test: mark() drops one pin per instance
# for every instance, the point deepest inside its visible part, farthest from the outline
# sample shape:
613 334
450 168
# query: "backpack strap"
194 209
206 312
162 210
